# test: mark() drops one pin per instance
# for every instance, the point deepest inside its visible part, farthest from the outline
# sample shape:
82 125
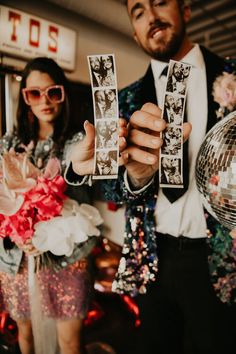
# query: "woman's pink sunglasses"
54 94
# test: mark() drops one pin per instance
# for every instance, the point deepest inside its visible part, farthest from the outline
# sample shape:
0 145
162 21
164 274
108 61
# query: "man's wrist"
138 183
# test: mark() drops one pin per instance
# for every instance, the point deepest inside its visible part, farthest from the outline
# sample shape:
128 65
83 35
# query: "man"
106 163
172 112
103 165
164 260
103 134
171 171
176 82
96 68
172 139
100 103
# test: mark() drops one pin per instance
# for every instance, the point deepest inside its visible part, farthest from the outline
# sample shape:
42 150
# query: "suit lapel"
214 67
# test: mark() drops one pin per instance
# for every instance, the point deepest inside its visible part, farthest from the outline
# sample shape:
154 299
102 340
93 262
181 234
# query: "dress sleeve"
7 141
9 259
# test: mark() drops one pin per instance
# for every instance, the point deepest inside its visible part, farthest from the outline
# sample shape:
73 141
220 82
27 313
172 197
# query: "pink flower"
47 197
27 196
224 91
40 211
18 175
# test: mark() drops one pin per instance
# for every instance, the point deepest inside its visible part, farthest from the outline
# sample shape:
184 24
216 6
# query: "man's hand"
82 156
141 157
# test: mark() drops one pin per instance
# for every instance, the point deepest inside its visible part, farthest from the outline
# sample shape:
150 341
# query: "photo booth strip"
173 112
102 71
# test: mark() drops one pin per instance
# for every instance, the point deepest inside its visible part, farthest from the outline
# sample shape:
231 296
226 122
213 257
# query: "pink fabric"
64 294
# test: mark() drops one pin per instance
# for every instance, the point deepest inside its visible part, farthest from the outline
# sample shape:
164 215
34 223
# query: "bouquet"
34 207
224 93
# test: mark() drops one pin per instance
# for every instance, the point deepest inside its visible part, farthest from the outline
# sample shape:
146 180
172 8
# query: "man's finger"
143 139
142 119
187 128
122 123
142 156
123 131
152 109
123 159
122 144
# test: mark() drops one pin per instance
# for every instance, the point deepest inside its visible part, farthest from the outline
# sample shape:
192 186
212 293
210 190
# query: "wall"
93 38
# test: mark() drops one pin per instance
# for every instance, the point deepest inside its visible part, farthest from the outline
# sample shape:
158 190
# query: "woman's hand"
82 156
28 248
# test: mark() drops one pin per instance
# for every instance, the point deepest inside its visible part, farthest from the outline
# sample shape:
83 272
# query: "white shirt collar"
194 57
157 67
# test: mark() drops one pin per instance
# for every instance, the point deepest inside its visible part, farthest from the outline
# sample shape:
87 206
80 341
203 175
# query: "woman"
108 78
111 104
44 125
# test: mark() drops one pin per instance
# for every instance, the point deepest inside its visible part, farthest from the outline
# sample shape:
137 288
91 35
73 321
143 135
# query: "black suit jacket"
136 95
96 83
142 205
214 67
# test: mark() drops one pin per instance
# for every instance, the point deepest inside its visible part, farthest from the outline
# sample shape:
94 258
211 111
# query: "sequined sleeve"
9 259
7 141
116 190
222 260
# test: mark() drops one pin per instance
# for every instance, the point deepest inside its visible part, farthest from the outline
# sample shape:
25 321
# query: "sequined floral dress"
64 291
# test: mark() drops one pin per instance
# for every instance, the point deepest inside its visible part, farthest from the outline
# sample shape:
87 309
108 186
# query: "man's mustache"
157 25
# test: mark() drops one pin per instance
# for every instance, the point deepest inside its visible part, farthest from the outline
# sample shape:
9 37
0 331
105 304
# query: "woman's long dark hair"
27 124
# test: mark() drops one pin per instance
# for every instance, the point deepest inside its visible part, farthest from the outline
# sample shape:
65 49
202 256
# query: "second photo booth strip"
172 154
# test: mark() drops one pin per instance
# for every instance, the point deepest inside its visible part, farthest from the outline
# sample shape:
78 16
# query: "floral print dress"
65 289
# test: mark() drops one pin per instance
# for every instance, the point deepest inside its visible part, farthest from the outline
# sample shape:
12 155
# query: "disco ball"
216 171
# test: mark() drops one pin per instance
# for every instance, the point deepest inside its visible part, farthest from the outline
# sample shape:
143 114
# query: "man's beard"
171 48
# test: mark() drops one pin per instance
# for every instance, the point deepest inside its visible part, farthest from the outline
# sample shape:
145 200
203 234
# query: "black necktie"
172 194
164 71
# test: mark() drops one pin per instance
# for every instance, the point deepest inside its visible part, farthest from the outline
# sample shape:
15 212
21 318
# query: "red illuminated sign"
53 36
28 36
14 18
